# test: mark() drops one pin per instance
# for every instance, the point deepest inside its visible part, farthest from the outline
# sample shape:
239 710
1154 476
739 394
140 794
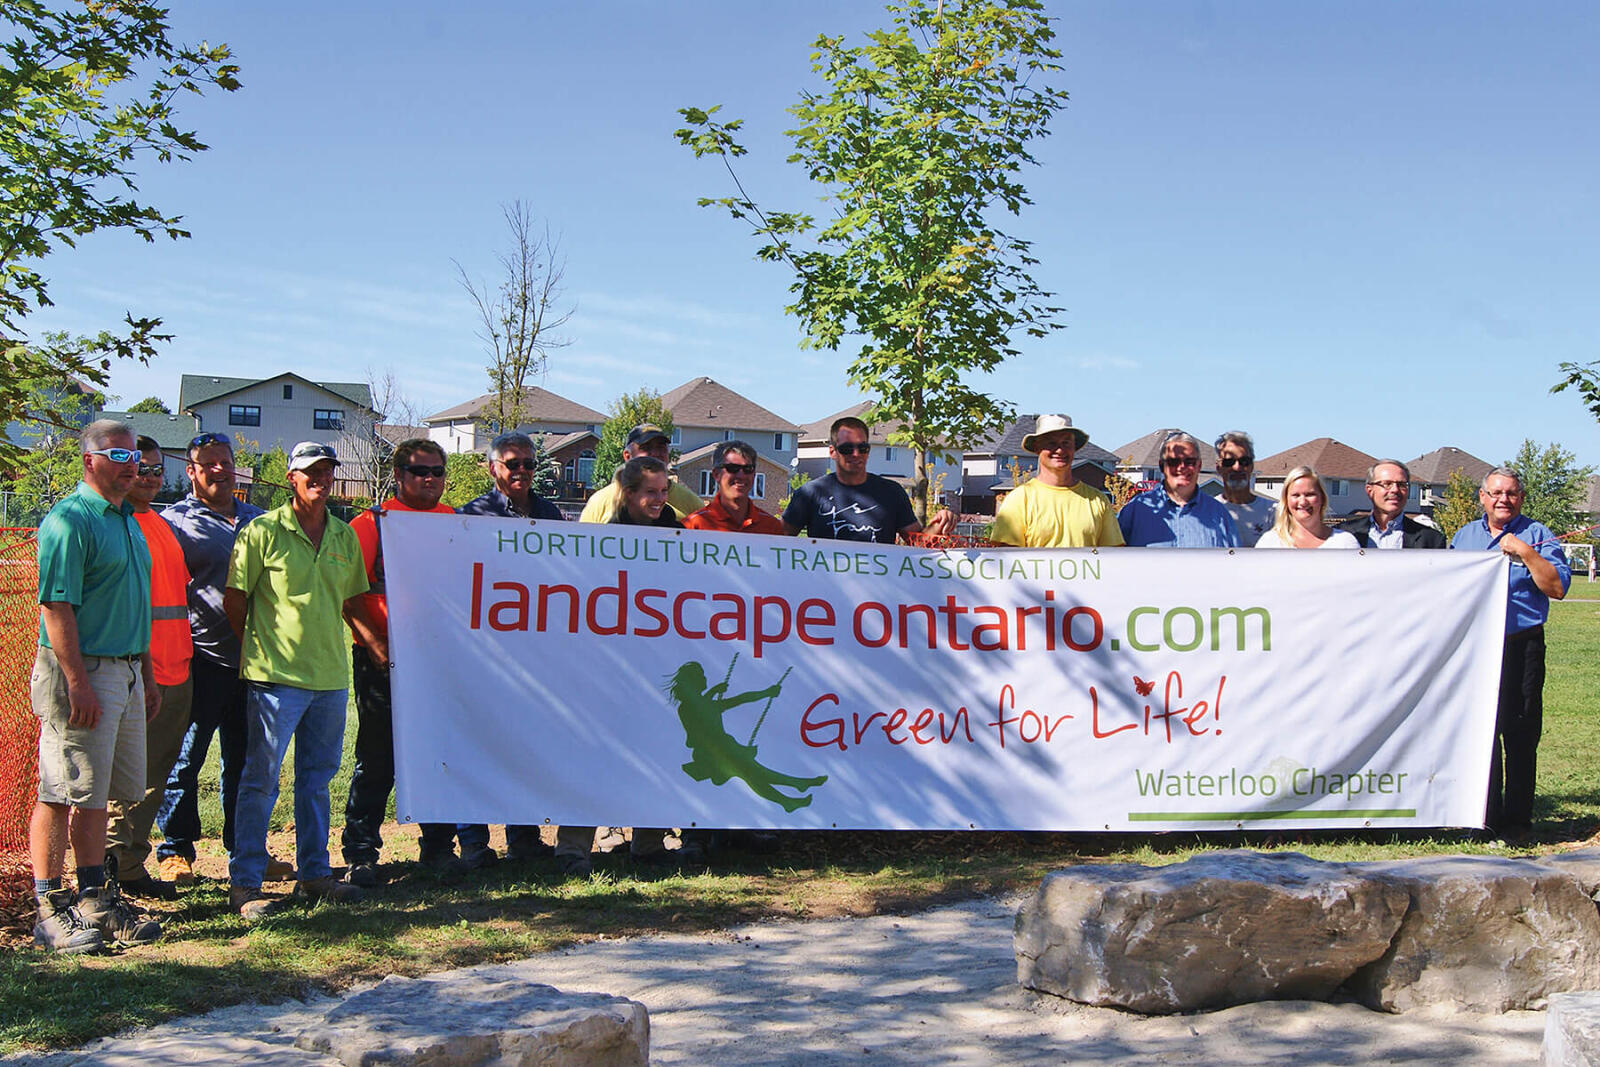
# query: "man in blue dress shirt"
1176 514
1539 573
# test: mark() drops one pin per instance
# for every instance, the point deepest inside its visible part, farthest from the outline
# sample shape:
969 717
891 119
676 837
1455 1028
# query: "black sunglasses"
1239 461
851 449
739 468
150 468
201 440
418 470
1174 462
512 465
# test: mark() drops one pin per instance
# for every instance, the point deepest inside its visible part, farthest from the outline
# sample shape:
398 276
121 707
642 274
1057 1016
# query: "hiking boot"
443 864
118 921
575 866
327 888
149 888
62 929
278 870
364 875
177 870
251 903
525 852
480 858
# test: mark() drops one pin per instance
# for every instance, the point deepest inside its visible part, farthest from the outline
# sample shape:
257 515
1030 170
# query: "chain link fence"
19 730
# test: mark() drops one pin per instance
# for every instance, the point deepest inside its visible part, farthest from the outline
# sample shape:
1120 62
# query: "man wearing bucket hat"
295 576
1054 509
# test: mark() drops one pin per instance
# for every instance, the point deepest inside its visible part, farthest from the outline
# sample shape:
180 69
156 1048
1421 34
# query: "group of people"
214 619
1056 510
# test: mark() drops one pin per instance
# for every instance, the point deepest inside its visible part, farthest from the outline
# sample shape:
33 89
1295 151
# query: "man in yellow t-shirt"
1054 509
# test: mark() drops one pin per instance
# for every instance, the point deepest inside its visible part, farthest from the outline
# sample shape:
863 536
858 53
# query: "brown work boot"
328 888
278 870
119 922
62 929
251 902
177 870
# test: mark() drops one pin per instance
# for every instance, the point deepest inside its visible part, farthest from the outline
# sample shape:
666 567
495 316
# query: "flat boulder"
472 1018
1220 929
1483 934
1582 865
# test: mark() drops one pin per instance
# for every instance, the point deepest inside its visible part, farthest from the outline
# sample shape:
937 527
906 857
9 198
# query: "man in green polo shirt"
92 690
296 573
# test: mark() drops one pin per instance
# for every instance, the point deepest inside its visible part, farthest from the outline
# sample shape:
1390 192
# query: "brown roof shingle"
1146 451
1434 468
1329 458
706 402
537 405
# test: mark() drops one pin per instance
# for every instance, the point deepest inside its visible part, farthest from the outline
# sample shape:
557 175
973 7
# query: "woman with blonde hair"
1299 524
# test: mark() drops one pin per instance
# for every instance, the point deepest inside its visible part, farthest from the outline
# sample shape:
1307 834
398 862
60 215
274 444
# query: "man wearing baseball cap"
645 439
1054 509
295 576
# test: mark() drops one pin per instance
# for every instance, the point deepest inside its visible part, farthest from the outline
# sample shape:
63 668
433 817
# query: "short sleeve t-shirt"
1035 515
1253 519
827 509
93 556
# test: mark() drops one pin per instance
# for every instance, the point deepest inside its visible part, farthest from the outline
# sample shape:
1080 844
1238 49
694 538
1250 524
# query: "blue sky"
1373 221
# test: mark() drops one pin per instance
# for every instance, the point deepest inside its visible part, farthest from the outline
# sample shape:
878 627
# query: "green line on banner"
1252 816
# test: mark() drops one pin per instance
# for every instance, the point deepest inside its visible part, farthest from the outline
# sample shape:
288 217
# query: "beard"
1236 481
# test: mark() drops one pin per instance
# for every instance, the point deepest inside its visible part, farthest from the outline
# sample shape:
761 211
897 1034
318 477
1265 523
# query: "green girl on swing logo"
715 754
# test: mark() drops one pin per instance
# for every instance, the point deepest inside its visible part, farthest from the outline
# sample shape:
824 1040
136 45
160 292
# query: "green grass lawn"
418 924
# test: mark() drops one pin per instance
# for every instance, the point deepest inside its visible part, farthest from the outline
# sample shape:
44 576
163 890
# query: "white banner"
619 675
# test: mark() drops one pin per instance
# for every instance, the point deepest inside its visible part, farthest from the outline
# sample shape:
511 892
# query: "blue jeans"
217 708
314 718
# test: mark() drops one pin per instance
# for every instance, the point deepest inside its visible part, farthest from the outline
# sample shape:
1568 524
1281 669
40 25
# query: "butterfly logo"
1142 687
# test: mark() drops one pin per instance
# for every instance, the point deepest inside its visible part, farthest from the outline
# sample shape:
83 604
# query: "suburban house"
895 462
261 413
1343 470
30 433
1139 460
573 453
1430 475
987 474
468 427
771 484
705 411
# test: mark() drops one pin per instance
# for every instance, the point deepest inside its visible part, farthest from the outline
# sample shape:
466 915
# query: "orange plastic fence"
949 541
19 643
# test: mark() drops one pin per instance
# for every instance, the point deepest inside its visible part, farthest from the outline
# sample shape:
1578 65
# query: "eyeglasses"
418 470
1386 486
1236 461
115 455
1501 494
511 465
1174 462
739 468
150 468
852 449
201 440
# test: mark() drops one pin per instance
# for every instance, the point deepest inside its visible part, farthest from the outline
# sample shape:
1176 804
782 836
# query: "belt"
131 658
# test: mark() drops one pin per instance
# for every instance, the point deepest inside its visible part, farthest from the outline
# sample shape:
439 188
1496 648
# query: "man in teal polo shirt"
92 690
295 575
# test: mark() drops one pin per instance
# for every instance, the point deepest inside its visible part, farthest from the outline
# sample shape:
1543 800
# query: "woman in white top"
1299 524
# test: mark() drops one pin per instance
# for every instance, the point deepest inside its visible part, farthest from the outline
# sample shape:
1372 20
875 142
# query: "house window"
288 392
1336 487
777 443
888 455
328 419
761 486
677 437
708 484
244 415
586 466
727 435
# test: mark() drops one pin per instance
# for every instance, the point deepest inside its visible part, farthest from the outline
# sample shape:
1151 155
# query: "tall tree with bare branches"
521 316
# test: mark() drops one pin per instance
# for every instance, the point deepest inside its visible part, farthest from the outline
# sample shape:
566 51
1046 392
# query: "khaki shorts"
85 767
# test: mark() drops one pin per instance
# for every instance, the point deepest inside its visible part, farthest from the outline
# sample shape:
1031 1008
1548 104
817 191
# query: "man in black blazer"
1388 487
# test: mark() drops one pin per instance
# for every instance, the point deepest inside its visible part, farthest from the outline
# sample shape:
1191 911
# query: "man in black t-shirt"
850 504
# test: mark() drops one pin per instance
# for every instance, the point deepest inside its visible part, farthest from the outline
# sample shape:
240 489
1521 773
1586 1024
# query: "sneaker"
62 929
480 858
118 921
444 864
251 903
364 875
278 870
177 870
610 839
327 888
574 866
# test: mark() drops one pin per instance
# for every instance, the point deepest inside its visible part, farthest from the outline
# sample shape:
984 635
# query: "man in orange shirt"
419 483
128 831
733 463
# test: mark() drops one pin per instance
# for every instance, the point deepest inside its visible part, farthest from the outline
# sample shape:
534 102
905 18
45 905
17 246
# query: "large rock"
1223 928
1483 934
1572 1031
1582 865
474 1017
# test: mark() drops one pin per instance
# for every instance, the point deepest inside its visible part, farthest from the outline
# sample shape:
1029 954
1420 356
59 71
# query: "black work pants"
1519 720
